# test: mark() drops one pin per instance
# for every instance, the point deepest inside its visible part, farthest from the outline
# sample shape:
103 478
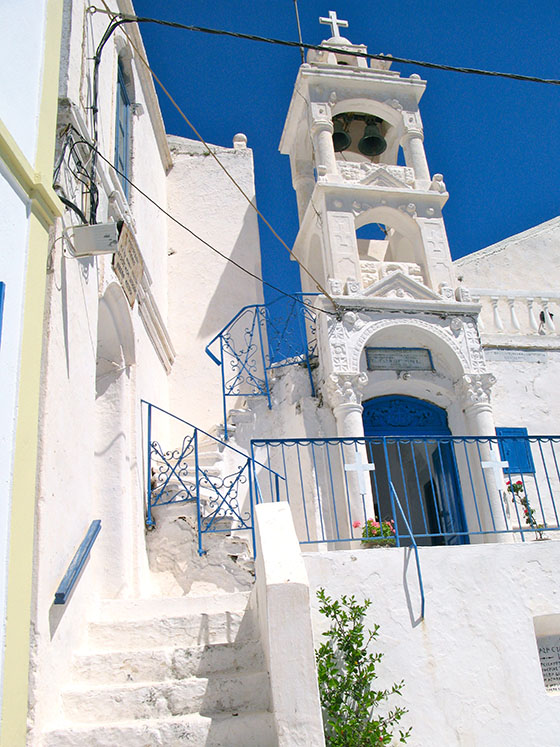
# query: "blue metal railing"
454 489
77 563
415 546
260 338
177 475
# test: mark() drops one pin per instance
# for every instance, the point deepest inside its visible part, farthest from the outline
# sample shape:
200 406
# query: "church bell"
372 143
341 138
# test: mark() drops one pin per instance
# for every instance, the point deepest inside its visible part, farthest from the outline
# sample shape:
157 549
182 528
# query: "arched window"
122 130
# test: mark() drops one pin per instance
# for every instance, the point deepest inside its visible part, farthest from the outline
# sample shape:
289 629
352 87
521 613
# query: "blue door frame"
400 416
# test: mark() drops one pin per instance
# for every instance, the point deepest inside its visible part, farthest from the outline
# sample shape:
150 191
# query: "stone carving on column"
474 389
345 389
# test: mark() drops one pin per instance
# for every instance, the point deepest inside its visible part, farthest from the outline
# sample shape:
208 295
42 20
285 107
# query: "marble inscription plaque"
516 356
549 654
399 359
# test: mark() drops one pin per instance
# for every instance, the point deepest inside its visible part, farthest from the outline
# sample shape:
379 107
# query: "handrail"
200 430
292 296
414 545
77 563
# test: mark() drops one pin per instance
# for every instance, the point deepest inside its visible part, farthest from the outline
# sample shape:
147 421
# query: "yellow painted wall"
36 182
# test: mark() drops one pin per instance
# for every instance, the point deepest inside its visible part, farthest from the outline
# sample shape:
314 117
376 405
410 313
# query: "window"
122 133
515 449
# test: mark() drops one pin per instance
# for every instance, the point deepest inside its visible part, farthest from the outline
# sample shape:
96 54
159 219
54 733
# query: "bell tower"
355 140
372 233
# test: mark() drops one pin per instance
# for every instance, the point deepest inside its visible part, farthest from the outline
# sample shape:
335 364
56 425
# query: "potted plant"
377 533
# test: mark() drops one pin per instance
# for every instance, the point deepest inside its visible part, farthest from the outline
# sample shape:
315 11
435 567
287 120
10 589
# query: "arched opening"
408 441
389 240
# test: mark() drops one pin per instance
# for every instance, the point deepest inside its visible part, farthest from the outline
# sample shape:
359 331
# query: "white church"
206 461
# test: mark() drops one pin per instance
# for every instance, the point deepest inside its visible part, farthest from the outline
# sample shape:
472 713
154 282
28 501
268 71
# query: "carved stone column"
321 134
344 395
474 392
413 146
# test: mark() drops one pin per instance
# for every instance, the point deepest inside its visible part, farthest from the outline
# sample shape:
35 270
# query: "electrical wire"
100 155
118 18
336 50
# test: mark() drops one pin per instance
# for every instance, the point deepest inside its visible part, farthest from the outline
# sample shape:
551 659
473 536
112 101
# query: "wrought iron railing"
260 338
187 473
454 490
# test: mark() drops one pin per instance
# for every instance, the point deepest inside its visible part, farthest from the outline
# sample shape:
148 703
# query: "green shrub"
346 671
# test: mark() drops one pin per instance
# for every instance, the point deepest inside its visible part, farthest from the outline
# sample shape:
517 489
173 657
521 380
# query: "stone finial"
239 141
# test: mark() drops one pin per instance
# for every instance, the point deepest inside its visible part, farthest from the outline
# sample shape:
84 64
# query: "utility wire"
122 18
337 50
100 155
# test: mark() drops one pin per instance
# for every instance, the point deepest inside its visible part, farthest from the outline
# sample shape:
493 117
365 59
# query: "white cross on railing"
497 468
359 467
334 22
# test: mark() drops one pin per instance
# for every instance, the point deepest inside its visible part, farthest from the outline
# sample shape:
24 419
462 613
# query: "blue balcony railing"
181 464
453 490
261 338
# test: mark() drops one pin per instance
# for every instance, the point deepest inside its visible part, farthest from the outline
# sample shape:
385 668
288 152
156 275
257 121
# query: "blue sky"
495 141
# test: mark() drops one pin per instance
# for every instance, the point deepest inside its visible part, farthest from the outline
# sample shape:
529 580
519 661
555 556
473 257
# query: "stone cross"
334 22
360 468
497 468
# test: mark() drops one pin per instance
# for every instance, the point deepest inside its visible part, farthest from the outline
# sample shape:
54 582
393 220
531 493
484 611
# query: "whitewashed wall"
205 291
471 668
92 439
518 278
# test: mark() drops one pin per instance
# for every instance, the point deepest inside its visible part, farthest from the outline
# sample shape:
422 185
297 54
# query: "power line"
337 50
118 19
83 141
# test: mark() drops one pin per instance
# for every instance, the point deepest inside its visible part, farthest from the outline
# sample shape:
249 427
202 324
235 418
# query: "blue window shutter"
122 131
2 292
515 448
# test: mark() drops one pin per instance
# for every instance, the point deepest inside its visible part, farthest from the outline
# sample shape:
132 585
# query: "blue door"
410 447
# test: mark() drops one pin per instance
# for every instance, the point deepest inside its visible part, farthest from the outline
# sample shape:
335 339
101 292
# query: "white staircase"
185 671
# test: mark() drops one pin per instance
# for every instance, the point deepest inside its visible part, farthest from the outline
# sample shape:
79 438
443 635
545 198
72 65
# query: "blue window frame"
515 449
2 292
122 131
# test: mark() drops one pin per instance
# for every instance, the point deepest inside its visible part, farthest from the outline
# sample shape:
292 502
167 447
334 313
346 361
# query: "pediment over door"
399 285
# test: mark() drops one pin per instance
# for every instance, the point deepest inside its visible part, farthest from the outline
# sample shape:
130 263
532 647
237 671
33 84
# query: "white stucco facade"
161 642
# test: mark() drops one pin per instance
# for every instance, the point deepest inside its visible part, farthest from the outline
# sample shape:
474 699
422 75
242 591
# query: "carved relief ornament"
345 389
474 389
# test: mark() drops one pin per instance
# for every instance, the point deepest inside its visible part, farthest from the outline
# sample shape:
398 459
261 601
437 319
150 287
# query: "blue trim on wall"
516 450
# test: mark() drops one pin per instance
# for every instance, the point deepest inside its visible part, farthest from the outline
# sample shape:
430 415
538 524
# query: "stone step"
224 693
243 730
184 621
167 663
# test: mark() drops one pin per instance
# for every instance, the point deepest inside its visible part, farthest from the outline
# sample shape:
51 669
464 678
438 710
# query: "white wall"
471 668
92 443
205 291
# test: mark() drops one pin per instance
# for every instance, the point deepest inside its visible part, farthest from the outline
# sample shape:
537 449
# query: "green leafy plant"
346 671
